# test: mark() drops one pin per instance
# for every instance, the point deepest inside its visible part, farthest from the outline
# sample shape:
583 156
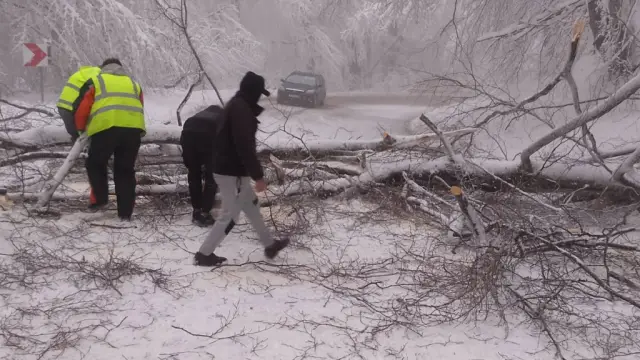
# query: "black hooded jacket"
235 145
205 122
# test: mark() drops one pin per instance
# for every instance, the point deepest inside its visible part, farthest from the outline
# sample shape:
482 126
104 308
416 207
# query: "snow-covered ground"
249 309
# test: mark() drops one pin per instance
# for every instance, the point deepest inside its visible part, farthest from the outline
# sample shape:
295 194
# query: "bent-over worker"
198 133
111 111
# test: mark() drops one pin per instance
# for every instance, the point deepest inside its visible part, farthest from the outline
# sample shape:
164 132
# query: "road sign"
35 55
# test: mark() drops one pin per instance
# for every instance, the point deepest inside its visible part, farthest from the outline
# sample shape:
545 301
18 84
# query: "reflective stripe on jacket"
71 90
116 103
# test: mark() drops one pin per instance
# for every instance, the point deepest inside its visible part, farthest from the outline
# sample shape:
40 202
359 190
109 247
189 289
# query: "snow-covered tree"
353 43
384 40
508 40
82 32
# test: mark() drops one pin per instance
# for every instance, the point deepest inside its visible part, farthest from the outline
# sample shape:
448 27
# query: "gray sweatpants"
232 204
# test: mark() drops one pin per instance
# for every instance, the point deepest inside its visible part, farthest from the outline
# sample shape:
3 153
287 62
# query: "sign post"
36 55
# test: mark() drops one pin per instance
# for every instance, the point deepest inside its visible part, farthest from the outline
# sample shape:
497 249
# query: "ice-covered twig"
513 187
576 260
535 314
181 22
420 190
467 209
621 172
447 145
566 71
186 98
427 208
538 21
615 99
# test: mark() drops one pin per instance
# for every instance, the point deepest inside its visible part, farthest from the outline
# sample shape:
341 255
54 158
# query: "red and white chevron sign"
35 55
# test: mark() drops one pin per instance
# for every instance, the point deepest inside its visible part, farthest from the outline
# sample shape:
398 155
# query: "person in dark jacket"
235 164
197 136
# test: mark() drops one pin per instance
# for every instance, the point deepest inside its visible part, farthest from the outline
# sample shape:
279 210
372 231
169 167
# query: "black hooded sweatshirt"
205 122
235 145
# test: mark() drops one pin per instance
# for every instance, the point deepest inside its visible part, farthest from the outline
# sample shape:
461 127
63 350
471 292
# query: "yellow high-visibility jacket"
71 90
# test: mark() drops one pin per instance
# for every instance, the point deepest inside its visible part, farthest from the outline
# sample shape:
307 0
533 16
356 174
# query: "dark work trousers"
123 144
197 155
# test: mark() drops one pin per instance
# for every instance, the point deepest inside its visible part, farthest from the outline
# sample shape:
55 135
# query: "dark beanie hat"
253 83
110 61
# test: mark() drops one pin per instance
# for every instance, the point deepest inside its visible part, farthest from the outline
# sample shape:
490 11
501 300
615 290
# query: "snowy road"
351 116
344 115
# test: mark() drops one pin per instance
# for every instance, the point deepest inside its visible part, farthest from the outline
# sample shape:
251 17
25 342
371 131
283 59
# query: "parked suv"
303 88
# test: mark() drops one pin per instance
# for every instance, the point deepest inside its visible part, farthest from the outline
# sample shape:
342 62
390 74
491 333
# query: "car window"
301 79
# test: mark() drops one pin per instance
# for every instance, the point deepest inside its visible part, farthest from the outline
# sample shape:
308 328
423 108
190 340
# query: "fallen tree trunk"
143 159
382 167
35 155
336 166
159 149
38 138
141 190
621 151
52 185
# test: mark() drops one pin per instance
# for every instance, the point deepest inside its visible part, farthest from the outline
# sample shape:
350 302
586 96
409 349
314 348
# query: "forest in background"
356 44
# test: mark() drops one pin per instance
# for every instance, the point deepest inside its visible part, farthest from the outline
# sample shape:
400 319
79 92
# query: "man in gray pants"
235 164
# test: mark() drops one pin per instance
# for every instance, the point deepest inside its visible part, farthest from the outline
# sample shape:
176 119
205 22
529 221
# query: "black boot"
207 218
199 218
201 259
272 250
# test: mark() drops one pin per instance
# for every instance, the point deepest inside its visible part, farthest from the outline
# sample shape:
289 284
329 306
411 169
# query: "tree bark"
595 23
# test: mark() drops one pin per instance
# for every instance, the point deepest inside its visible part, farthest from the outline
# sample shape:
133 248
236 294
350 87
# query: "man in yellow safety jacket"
111 110
69 95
